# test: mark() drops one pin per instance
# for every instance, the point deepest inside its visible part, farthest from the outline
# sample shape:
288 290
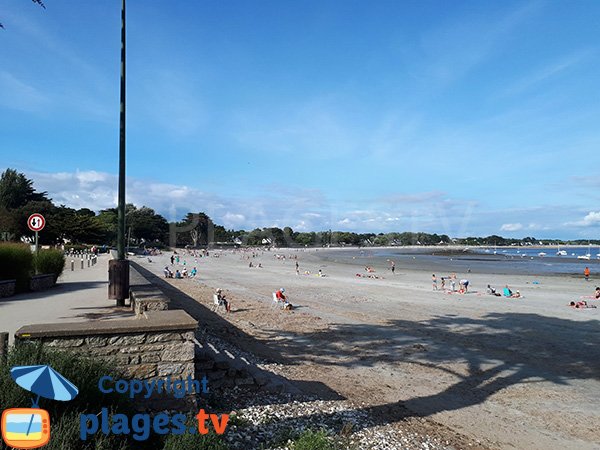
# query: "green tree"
16 190
146 225
194 223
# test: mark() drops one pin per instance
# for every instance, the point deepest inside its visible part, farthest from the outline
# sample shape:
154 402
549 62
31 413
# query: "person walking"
586 273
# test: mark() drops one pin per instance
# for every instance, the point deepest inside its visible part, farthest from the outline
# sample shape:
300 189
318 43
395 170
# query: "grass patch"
313 440
65 416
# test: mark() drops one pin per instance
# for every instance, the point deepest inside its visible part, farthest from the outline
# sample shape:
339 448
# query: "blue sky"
463 118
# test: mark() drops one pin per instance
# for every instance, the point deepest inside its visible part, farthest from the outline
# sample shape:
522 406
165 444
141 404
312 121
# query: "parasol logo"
27 428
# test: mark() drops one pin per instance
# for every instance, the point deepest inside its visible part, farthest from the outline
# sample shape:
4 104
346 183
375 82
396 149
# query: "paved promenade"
81 294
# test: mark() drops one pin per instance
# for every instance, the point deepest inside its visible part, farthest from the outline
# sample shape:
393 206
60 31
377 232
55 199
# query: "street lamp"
118 269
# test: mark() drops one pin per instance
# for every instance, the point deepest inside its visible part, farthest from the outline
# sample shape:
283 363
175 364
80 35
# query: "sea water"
506 260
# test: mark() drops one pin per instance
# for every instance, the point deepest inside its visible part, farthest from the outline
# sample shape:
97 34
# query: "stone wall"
142 356
147 299
157 346
41 282
7 288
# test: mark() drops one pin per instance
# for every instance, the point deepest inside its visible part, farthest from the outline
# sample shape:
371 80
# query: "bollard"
88 262
82 263
72 265
3 346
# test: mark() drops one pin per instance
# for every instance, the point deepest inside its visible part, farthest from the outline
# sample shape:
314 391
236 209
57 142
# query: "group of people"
279 296
463 283
179 274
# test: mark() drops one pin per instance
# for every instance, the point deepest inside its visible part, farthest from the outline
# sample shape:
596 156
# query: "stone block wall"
143 301
7 288
41 282
158 346
142 356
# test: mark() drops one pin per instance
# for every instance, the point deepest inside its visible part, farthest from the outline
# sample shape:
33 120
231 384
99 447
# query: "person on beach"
464 285
434 282
581 304
178 274
510 294
194 272
393 267
282 298
167 272
443 283
280 295
453 284
597 294
172 259
586 273
222 300
492 291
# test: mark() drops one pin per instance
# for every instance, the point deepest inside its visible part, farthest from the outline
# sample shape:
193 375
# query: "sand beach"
487 371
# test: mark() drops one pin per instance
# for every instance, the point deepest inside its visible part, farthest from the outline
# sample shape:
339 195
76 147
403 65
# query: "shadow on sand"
500 350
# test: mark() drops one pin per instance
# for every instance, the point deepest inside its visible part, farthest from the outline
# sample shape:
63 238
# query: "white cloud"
305 209
592 219
511 227
232 220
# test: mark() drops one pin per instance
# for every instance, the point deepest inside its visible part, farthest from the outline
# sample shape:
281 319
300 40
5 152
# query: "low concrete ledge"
152 321
147 298
7 288
42 282
144 296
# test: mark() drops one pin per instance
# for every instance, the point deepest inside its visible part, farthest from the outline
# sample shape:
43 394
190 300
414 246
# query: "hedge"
16 263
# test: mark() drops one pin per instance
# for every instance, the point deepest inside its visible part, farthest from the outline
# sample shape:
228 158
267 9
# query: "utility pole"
118 269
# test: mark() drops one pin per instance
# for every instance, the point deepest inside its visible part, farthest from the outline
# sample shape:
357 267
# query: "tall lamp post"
118 269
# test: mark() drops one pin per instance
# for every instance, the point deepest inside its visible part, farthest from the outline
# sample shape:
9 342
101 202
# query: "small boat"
561 253
588 255
541 254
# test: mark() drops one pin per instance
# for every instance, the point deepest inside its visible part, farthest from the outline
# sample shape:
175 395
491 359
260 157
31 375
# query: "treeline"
19 199
144 227
499 241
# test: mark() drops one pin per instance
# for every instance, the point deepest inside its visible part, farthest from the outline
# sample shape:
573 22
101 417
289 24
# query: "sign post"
36 222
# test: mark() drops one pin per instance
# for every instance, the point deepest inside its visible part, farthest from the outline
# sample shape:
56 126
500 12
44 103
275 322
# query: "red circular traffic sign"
36 222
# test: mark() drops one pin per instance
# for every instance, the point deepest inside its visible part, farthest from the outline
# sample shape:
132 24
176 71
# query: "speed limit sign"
36 222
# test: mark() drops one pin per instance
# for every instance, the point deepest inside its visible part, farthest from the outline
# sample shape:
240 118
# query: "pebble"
265 420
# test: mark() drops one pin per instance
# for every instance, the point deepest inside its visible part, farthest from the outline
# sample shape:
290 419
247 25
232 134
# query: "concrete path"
79 295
